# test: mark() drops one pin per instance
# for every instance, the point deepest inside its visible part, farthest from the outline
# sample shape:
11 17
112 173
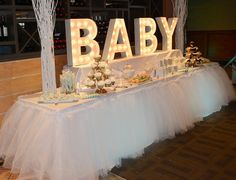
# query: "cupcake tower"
192 55
100 76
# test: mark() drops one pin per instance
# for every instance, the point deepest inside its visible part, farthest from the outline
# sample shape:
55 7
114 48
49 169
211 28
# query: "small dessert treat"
98 75
92 84
91 74
101 89
94 66
107 72
101 84
102 64
97 59
140 78
106 66
113 80
107 83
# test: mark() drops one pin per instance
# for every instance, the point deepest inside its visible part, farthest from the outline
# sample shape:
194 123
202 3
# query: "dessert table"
84 139
156 60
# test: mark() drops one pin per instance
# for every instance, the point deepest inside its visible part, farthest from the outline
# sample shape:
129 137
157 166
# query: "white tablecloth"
82 140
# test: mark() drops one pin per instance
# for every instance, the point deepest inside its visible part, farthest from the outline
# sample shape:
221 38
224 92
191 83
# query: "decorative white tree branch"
180 10
45 15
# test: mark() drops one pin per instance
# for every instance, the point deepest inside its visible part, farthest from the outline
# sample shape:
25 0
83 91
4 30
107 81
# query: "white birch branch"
45 15
180 10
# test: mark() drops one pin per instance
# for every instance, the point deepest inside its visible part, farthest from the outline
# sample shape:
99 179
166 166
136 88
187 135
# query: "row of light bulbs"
117 40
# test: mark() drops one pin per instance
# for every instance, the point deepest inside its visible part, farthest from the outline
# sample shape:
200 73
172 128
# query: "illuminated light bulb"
79 24
85 23
80 41
90 28
73 42
74 51
87 58
76 60
92 54
74 29
72 24
91 45
73 33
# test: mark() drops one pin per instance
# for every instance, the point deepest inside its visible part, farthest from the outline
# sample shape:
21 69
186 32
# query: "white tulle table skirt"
83 140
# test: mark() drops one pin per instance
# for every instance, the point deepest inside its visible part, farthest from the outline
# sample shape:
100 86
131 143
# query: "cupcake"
97 59
92 84
113 80
107 83
102 64
91 74
107 72
101 84
94 65
98 75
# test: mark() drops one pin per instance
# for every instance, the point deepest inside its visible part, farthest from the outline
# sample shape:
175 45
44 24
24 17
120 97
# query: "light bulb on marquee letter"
167 30
117 40
75 41
145 40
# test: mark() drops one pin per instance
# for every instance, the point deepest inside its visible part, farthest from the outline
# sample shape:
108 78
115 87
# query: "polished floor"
208 151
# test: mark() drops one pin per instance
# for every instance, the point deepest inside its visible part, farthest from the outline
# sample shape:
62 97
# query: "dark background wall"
212 25
211 15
